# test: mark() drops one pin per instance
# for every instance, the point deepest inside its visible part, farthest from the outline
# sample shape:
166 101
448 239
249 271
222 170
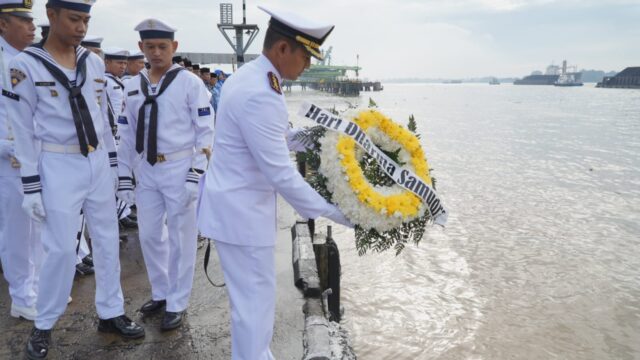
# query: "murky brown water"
540 258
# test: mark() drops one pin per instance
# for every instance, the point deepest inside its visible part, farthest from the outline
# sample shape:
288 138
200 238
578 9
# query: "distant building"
629 78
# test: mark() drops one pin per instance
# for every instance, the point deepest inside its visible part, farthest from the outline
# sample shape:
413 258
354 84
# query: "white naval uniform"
70 182
20 247
250 164
185 127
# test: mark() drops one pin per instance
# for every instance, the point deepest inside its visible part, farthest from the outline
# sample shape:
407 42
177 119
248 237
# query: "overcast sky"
413 38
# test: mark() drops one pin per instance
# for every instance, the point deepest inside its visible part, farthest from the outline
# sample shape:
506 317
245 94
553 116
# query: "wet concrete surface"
204 335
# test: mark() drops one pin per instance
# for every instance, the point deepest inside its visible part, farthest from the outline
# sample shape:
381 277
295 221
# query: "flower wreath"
385 214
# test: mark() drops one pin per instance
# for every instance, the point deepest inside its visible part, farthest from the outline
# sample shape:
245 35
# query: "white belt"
178 155
65 149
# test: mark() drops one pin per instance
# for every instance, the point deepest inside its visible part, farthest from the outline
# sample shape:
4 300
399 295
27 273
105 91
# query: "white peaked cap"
309 33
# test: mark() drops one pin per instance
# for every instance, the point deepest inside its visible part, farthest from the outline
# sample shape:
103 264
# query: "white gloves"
6 149
338 217
32 205
191 192
192 186
114 176
125 190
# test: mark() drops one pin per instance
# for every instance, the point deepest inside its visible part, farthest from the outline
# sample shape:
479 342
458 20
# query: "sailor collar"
145 73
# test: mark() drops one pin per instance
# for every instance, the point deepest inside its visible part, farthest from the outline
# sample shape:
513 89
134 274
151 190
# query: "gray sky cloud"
414 38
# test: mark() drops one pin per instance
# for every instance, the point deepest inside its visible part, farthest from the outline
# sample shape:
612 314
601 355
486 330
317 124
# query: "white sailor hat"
115 53
75 5
92 41
43 23
137 55
309 33
155 29
17 8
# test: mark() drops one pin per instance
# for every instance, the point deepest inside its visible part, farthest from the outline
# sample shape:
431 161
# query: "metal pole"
240 46
244 12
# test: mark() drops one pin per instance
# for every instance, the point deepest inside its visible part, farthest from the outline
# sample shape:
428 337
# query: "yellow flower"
407 203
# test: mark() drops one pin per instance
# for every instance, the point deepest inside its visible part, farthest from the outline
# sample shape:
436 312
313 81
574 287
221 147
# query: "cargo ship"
551 76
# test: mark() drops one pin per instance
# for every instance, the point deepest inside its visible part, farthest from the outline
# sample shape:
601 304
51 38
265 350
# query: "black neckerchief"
152 142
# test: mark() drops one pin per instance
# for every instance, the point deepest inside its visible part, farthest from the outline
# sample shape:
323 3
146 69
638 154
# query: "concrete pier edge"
322 339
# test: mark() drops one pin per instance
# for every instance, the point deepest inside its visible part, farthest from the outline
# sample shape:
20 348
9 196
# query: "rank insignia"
99 81
54 93
275 84
17 77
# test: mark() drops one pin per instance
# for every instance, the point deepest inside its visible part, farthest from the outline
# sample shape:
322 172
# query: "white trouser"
82 248
71 182
160 195
21 249
249 273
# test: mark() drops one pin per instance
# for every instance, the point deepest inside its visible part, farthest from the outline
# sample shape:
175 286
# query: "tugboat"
568 79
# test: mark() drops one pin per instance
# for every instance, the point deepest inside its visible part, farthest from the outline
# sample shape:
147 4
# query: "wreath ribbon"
401 175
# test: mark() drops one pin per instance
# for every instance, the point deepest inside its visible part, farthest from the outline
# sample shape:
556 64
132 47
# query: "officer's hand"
125 190
337 216
32 205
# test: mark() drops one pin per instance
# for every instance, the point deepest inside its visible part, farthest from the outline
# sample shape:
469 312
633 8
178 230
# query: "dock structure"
629 78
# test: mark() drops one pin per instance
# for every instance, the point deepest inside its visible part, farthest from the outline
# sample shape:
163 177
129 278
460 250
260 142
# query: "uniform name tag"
134 92
116 87
45 83
10 95
204 111
123 120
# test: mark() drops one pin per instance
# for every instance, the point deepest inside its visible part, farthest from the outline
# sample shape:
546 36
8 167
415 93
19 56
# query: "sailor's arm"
202 119
107 135
267 146
21 106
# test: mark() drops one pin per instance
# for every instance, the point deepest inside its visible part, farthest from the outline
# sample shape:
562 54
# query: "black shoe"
152 306
127 223
83 269
88 260
172 320
123 326
38 344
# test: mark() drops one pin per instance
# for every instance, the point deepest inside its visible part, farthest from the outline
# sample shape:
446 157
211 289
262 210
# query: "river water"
540 258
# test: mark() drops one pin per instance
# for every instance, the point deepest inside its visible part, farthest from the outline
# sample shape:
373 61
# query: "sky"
411 38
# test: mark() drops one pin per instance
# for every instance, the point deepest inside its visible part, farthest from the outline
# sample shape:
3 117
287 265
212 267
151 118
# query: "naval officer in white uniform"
250 165
20 247
166 135
58 101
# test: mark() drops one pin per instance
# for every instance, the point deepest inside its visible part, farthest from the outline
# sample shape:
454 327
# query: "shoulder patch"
275 84
206 111
134 92
17 77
